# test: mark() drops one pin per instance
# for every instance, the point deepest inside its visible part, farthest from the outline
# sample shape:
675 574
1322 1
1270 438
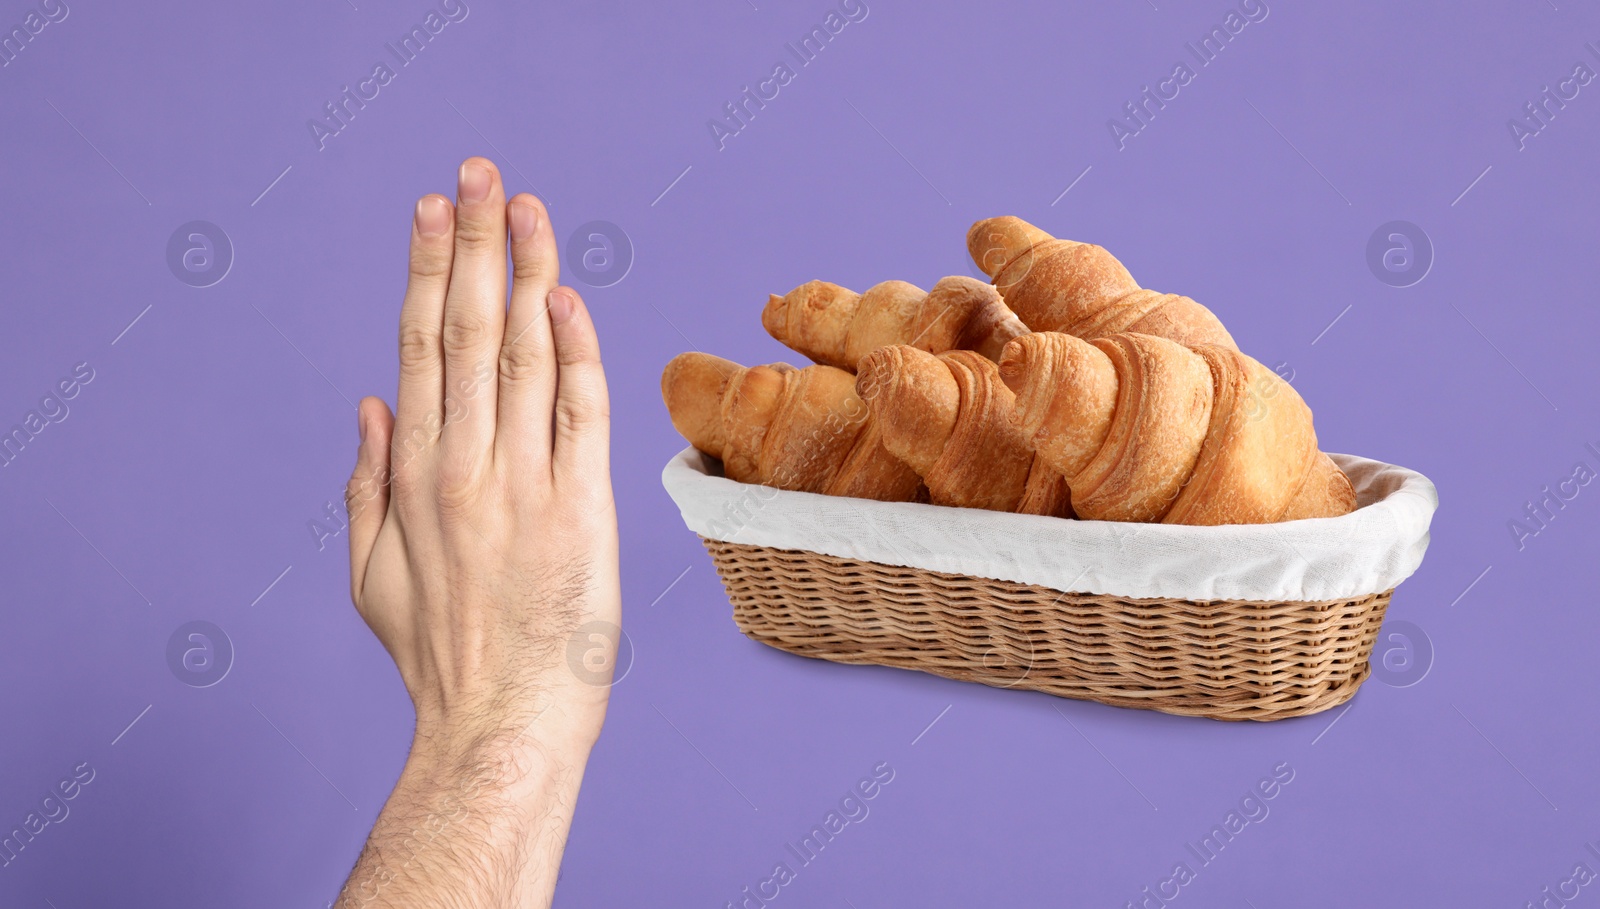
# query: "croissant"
1145 429
837 327
798 429
950 418
1080 289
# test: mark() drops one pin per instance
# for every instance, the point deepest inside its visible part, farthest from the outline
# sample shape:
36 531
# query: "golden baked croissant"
1145 429
799 429
1080 289
950 417
837 327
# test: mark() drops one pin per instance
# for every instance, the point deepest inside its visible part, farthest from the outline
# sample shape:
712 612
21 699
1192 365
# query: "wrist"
512 754
469 802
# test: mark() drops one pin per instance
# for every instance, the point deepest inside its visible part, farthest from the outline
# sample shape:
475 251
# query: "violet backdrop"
186 480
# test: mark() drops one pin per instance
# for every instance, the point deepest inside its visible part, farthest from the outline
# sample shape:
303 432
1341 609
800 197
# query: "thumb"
366 496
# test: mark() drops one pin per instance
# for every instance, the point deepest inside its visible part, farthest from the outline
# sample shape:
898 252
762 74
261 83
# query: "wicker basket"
1246 638
1223 659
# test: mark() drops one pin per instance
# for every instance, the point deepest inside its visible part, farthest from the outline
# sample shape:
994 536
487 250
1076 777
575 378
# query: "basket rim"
1368 551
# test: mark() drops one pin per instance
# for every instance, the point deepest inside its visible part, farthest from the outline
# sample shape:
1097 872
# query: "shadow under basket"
1222 659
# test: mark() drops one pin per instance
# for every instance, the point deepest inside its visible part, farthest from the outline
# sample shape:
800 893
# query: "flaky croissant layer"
1081 289
836 326
799 429
1146 429
950 418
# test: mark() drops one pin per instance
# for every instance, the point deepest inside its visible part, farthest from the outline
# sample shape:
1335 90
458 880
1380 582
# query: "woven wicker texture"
1223 659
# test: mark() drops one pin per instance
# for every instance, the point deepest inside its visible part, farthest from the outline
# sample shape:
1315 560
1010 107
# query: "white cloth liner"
1367 551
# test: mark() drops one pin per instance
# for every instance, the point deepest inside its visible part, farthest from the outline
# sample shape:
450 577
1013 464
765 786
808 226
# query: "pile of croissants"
1062 388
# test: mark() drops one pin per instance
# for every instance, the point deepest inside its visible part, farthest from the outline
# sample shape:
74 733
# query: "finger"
474 312
421 317
583 408
366 496
527 366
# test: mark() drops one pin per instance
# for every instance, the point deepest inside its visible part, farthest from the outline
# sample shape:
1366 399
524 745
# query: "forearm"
477 826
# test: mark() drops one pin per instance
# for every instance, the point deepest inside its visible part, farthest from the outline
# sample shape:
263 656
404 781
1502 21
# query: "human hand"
482 527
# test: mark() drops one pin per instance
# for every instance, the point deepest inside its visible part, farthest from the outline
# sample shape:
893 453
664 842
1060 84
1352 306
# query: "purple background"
218 425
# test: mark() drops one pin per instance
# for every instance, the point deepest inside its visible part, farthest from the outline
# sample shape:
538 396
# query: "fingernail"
361 426
524 220
433 216
472 185
561 305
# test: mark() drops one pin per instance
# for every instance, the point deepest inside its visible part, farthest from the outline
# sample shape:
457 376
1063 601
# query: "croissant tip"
774 316
879 359
975 229
878 371
673 367
1020 358
1023 342
1013 368
981 252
